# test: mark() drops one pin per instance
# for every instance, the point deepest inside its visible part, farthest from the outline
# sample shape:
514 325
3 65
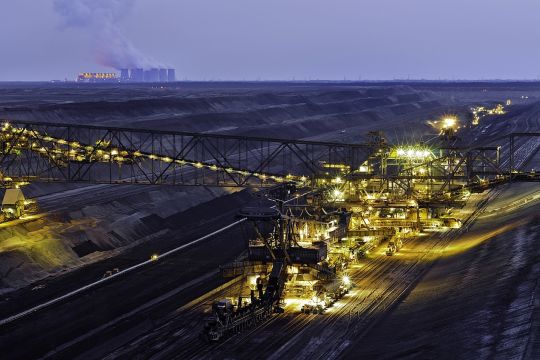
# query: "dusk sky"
276 39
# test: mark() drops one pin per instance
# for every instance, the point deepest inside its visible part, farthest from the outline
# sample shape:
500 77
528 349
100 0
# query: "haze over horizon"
278 40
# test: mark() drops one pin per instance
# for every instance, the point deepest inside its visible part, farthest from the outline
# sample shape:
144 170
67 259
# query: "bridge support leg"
511 157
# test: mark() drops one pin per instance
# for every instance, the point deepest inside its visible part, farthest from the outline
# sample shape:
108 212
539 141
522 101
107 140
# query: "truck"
328 292
363 247
313 307
396 244
391 249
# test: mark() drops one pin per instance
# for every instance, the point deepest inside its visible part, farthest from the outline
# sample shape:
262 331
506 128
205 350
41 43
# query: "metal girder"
51 152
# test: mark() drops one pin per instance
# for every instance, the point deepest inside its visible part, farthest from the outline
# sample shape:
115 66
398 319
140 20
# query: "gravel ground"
480 301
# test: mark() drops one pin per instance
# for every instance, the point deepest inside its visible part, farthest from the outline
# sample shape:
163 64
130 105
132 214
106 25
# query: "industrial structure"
13 203
87 77
322 206
479 112
136 75
155 75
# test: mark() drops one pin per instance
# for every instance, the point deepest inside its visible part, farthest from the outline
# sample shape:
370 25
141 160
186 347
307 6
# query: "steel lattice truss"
75 153
45 152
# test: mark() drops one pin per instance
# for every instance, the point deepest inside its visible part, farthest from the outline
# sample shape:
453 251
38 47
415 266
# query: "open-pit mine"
252 220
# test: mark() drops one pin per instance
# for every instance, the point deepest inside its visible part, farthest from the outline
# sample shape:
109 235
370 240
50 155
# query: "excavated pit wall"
86 230
480 300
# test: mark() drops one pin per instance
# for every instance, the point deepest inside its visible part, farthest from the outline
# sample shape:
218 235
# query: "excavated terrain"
89 223
480 300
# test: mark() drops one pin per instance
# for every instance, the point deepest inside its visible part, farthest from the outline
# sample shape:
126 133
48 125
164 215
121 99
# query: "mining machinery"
357 195
293 240
228 319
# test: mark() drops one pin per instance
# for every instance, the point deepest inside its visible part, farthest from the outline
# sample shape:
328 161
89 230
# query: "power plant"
135 75
88 77
153 75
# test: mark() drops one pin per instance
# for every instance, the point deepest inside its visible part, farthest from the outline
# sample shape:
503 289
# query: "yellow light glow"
413 152
449 123
252 280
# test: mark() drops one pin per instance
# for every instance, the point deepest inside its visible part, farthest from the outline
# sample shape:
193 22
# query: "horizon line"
284 81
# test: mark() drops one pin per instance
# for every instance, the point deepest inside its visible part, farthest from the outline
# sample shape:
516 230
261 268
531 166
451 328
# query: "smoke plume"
100 17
